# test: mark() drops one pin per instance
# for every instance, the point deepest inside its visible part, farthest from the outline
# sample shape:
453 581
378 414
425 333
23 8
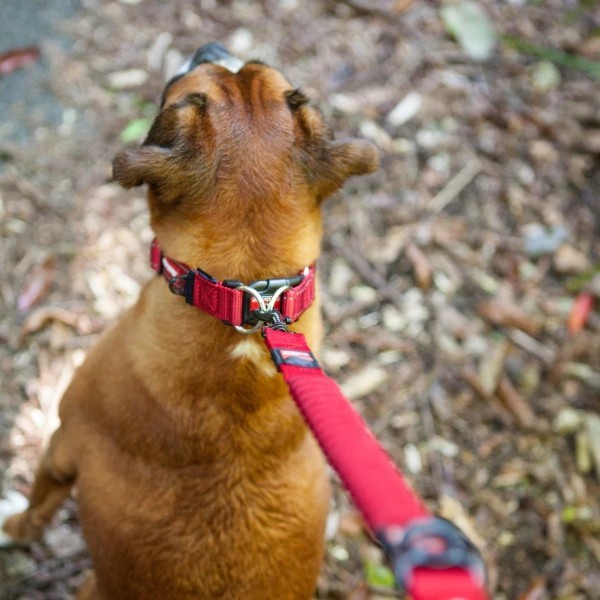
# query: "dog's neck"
243 244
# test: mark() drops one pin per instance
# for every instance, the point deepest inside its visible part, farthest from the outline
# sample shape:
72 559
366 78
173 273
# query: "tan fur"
196 476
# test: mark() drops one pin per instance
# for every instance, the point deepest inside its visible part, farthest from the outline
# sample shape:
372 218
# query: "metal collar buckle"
266 315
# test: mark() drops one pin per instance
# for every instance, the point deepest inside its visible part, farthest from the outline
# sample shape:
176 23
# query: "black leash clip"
431 542
271 319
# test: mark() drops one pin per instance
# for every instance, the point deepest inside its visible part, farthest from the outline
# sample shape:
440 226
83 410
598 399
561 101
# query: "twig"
515 403
455 186
365 10
436 460
531 345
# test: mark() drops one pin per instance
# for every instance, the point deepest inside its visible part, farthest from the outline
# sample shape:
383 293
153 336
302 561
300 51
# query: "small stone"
568 260
241 41
412 459
344 103
543 151
568 420
405 110
545 76
364 382
130 78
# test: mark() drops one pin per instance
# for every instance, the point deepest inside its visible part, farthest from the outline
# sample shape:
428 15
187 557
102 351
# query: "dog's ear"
164 159
345 159
326 162
148 164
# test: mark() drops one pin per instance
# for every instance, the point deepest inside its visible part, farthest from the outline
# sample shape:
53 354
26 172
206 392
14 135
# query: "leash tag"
296 358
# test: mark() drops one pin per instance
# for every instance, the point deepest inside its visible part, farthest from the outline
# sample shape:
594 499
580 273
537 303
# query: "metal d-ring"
261 304
275 296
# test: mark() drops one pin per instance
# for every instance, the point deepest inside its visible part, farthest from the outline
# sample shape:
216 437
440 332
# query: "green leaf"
472 28
377 575
135 130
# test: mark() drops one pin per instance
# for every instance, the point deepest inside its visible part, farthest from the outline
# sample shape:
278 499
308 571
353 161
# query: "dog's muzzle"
214 53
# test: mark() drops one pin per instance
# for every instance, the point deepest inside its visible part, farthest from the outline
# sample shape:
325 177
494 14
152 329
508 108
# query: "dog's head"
236 149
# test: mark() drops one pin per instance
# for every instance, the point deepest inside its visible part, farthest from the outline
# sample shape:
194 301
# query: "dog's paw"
13 503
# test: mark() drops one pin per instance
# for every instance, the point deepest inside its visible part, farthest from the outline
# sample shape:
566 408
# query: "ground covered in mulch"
448 277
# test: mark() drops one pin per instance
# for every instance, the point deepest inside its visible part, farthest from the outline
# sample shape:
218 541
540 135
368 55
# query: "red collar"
232 301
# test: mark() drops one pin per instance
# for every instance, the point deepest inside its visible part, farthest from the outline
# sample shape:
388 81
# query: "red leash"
432 559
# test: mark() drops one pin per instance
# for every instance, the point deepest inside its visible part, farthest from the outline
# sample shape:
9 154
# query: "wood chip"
364 382
515 403
500 311
492 366
421 266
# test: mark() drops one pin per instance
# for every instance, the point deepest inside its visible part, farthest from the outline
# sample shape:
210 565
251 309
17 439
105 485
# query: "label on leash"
297 358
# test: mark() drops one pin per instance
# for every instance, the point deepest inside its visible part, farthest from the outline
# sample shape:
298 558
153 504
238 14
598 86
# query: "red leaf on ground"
17 59
582 307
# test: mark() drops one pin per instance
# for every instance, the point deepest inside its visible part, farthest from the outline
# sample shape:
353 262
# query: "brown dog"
196 476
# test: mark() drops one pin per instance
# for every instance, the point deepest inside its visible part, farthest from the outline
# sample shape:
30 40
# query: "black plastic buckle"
183 285
431 542
271 318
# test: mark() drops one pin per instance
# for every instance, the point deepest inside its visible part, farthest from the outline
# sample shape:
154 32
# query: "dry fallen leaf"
421 266
361 592
352 524
507 314
536 591
515 403
592 428
17 59
472 378
44 315
364 382
453 510
37 285
492 366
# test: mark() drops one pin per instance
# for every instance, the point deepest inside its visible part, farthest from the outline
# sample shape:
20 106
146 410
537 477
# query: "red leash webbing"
376 486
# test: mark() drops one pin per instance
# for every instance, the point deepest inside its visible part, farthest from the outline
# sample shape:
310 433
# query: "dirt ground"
448 276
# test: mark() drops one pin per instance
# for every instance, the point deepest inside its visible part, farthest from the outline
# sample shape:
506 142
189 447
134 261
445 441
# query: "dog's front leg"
53 482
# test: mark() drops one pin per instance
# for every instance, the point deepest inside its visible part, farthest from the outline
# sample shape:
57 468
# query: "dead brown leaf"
499 311
44 315
515 403
421 266
401 6
492 366
352 524
38 284
473 379
537 590
361 592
